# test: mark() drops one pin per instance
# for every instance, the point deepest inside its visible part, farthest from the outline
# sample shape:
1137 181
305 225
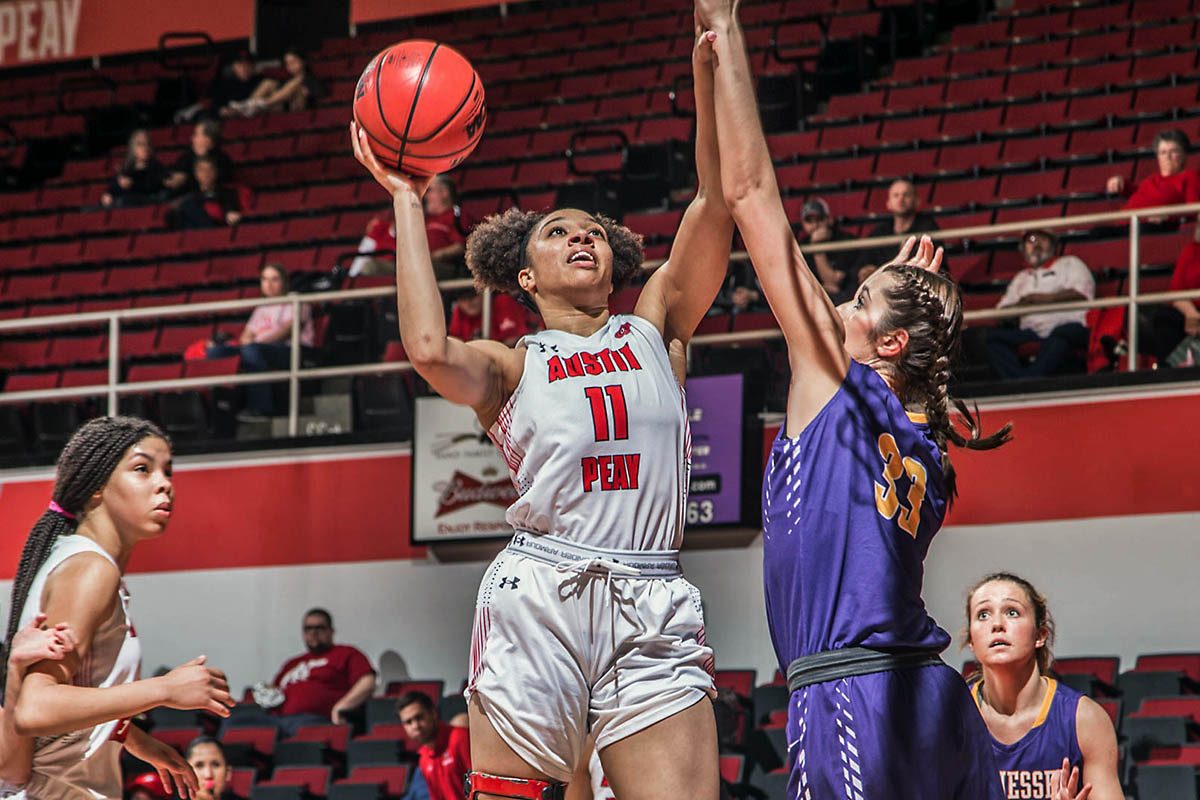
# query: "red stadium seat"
836 171
738 681
955 158
315 780
174 339
178 738
95 376
974 62
393 778
1030 185
212 367
144 373
1033 116
955 194
1097 18
31 381
1032 149
969 91
853 106
1168 65
971 123
1032 83
906 163
909 129
845 137
916 69
77 349
1167 98
1033 54
1182 706
964 36
905 98
262 740
26 286
1100 45
1187 663
1100 75
786 146
1101 140
1037 25
54 254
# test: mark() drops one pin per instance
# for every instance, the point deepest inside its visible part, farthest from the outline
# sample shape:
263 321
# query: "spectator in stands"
207 759
212 204
446 227
140 178
1048 279
234 84
265 343
323 683
904 206
832 269
445 747
510 320
741 291
299 91
206 141
1172 185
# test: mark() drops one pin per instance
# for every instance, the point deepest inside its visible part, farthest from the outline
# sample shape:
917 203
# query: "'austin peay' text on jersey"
596 438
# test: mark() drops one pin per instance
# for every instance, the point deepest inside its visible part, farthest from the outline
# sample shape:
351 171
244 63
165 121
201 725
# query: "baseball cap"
815 207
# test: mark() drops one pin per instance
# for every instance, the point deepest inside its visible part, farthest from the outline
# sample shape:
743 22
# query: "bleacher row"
1155 707
1031 130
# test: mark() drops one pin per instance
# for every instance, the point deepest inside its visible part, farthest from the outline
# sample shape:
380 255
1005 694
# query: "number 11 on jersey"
610 422
601 399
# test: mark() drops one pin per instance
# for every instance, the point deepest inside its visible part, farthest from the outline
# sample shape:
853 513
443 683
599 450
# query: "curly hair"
929 307
497 250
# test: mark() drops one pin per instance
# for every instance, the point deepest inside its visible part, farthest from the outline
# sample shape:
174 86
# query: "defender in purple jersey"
1046 737
857 485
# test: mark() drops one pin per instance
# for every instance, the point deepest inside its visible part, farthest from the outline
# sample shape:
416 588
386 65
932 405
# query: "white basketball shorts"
570 640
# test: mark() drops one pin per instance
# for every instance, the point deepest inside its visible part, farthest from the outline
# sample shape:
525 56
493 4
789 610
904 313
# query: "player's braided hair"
928 306
497 250
1041 614
84 466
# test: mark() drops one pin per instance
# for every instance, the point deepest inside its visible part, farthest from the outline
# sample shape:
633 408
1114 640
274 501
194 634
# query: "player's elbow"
28 721
425 351
745 198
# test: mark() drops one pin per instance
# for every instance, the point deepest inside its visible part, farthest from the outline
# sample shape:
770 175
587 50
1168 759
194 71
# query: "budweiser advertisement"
460 483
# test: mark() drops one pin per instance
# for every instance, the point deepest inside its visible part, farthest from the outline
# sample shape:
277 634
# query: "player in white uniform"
112 490
584 622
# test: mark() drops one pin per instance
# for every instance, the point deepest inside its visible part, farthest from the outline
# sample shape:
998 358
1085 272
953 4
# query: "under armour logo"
623 331
509 583
519 540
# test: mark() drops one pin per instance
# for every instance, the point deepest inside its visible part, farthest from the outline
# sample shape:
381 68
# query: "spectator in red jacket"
446 228
325 681
510 320
444 747
1173 184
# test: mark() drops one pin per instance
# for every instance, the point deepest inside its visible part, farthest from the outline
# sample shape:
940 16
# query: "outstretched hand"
1068 784
926 257
393 182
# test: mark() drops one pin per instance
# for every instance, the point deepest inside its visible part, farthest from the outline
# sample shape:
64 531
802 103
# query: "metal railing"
295 373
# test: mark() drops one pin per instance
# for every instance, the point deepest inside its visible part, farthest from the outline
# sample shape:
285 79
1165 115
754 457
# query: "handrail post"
1135 258
114 362
294 371
487 313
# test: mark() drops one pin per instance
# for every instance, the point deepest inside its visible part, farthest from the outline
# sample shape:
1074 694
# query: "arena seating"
1021 115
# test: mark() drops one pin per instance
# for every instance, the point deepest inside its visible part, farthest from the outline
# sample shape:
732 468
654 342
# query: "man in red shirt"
446 228
324 682
510 320
444 748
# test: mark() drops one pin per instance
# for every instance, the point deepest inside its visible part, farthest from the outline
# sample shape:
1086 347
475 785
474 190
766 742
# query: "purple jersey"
849 509
1030 767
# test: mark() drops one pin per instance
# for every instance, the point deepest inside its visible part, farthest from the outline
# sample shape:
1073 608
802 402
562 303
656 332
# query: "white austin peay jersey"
85 765
596 439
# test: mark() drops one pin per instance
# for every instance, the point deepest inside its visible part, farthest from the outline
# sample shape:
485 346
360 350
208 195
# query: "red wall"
1101 459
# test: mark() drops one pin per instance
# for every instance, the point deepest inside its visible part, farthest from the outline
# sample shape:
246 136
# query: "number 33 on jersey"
907 513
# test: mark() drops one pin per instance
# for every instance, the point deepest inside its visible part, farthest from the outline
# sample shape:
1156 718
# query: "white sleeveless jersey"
85 765
596 439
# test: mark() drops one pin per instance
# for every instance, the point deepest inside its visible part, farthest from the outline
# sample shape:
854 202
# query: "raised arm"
810 324
681 291
477 374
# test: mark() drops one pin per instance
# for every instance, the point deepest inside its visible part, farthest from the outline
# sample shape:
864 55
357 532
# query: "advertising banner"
362 11
39 31
460 486
715 413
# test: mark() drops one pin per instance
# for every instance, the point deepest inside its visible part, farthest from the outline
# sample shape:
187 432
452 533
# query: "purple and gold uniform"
849 509
1029 768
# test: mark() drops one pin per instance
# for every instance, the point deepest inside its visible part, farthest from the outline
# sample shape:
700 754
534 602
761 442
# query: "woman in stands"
585 620
140 178
1046 737
206 757
112 491
857 483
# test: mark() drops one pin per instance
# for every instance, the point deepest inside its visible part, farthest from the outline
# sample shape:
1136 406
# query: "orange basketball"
422 106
